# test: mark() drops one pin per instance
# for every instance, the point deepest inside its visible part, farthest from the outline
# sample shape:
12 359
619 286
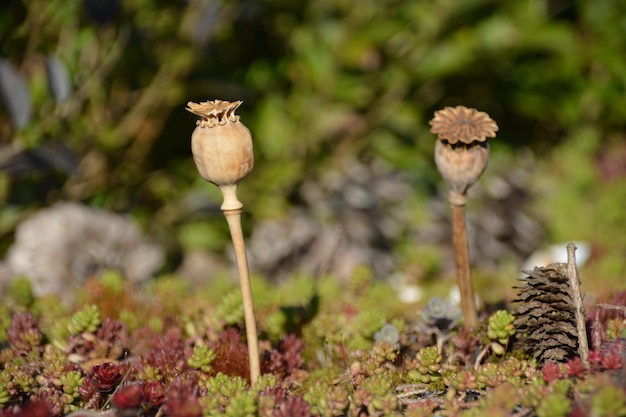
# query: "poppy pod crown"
462 151
220 143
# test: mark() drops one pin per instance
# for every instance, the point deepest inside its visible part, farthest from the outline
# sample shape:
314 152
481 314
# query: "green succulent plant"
4 395
53 317
22 380
608 401
555 404
71 380
500 329
328 400
501 326
201 358
489 375
5 385
428 366
230 310
376 395
130 318
267 380
463 380
55 363
275 324
384 352
616 328
150 373
242 404
5 320
499 403
85 320
224 387
113 281
20 291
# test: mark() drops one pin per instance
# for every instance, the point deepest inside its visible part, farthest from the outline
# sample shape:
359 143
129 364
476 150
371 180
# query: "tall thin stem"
461 257
231 208
574 284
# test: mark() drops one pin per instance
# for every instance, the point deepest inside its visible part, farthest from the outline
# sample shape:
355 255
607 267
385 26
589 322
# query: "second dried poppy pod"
462 151
461 155
221 145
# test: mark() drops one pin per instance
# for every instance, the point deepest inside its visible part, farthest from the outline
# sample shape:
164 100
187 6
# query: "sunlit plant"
461 155
222 151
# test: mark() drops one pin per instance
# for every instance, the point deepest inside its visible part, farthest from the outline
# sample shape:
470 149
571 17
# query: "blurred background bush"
338 96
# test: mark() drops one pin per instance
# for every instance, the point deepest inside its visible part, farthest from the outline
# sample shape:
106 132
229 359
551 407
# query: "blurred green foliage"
320 80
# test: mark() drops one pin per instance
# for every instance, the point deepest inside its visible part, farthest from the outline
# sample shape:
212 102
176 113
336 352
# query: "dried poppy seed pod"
461 166
462 151
461 155
221 147
222 151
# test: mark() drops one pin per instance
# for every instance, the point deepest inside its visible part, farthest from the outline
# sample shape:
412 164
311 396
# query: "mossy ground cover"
328 348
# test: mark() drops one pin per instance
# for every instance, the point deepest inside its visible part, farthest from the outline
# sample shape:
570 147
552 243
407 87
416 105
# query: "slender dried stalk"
222 151
461 155
233 217
574 284
461 257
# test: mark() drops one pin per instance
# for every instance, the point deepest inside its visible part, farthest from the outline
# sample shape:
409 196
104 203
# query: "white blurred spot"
407 293
556 253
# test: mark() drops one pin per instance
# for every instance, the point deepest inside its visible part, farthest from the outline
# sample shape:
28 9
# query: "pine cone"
545 318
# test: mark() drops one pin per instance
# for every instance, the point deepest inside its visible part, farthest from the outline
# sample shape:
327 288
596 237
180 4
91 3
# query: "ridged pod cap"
220 143
462 151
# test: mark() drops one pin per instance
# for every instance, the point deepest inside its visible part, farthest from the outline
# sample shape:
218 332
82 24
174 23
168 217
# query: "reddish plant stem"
461 257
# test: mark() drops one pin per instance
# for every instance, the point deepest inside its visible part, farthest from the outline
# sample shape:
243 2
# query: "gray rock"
60 247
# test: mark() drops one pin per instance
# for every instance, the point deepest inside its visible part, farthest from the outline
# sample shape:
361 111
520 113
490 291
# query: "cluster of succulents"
428 366
89 359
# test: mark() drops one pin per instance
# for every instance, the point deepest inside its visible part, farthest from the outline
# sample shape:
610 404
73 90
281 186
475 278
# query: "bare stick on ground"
574 284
